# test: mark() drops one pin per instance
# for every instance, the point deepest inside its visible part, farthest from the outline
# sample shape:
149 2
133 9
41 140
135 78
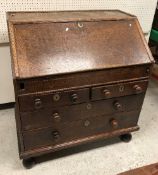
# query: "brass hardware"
74 98
148 70
38 103
114 123
56 134
80 25
117 106
56 97
89 106
56 117
121 88
137 89
86 123
107 93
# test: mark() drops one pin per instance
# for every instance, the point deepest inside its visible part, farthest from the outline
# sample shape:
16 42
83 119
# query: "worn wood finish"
53 116
99 43
145 170
78 77
62 133
117 90
28 102
83 79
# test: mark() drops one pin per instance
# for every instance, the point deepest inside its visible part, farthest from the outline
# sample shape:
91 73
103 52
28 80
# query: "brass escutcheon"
56 97
121 88
80 25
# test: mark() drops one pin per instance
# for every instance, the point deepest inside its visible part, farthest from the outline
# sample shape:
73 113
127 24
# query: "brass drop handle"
117 106
38 103
114 123
106 92
56 117
56 134
137 89
74 98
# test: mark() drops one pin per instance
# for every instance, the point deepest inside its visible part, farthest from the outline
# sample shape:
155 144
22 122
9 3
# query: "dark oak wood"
119 89
45 117
78 129
83 79
79 76
29 102
145 170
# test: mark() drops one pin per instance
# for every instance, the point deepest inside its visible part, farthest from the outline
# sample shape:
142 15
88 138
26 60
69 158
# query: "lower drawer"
57 115
79 129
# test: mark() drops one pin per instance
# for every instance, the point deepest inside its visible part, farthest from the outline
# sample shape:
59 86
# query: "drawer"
75 130
119 89
42 101
58 115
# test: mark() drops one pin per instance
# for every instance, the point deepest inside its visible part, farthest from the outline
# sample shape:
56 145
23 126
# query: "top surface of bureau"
53 43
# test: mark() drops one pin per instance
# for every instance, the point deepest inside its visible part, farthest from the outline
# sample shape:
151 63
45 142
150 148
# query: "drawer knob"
114 123
56 134
107 93
74 98
117 106
56 117
38 103
137 89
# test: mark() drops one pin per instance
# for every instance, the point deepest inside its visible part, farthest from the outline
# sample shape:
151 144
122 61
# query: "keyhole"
56 97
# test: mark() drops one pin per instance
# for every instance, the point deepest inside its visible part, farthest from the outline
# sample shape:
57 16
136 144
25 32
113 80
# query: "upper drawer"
120 89
39 101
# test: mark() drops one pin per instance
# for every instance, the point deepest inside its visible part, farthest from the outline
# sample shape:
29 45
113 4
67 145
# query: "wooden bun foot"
126 137
29 163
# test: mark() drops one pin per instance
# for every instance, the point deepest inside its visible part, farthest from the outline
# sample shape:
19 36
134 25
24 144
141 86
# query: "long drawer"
79 129
56 115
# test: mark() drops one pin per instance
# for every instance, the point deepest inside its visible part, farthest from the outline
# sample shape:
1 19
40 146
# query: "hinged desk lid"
52 43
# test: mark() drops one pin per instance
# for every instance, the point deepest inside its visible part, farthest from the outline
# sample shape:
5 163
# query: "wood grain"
146 170
64 63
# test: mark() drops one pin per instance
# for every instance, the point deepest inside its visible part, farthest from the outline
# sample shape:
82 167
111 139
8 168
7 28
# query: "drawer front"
82 79
75 130
42 101
58 115
120 89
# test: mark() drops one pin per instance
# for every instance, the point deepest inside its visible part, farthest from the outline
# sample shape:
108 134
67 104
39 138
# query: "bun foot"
126 137
29 163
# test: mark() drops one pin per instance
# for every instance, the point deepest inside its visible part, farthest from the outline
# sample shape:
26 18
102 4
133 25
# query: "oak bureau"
79 76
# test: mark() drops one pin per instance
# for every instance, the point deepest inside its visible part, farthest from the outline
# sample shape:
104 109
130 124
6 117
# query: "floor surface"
108 158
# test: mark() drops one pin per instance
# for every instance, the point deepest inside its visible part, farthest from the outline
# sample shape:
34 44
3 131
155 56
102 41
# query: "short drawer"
75 130
45 100
119 89
57 115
